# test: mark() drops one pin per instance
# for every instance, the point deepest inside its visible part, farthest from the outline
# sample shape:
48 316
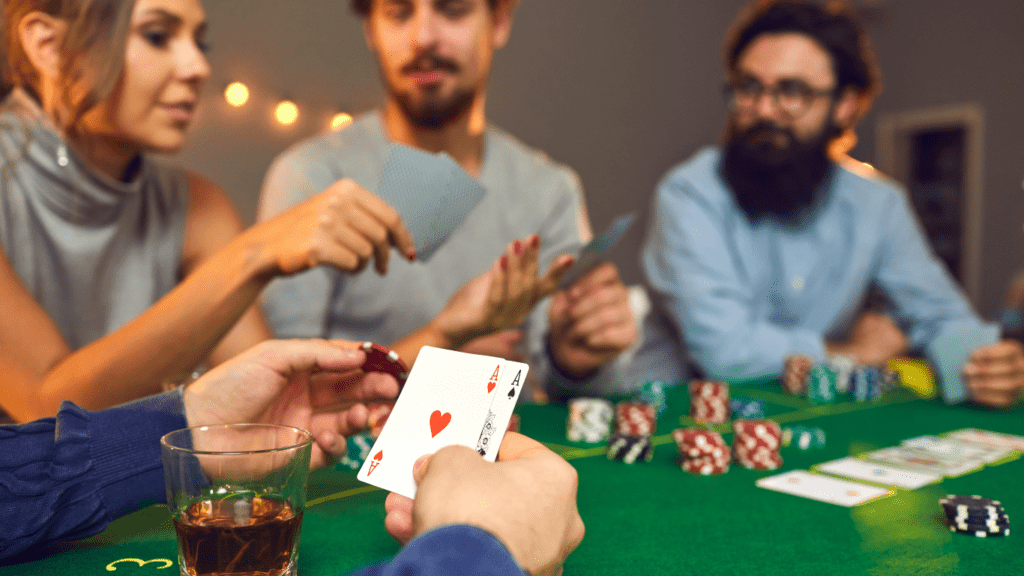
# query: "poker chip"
702 451
746 408
822 384
635 418
795 370
630 448
589 420
803 438
655 393
382 359
975 515
709 401
756 444
843 366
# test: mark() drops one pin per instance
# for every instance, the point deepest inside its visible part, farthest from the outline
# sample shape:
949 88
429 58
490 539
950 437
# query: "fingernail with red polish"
411 255
517 247
535 241
504 262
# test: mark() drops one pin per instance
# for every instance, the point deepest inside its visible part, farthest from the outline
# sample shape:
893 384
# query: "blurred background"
622 90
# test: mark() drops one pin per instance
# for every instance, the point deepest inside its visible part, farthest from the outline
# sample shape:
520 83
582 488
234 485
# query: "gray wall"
619 89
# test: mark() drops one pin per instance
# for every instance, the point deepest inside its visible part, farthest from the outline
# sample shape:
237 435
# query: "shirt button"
797 283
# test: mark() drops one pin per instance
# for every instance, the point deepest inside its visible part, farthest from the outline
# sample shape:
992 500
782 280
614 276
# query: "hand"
591 323
343 226
500 344
527 500
273 383
875 339
995 374
501 297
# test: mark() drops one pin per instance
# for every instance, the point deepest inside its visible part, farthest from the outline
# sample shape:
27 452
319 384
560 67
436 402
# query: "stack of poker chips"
756 444
703 451
709 401
821 384
746 408
589 420
974 515
655 393
635 418
803 437
357 449
795 372
629 448
843 367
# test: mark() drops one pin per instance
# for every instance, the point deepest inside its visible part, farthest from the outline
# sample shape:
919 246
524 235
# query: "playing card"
986 438
956 449
445 401
500 411
950 351
597 250
878 473
923 461
822 488
431 192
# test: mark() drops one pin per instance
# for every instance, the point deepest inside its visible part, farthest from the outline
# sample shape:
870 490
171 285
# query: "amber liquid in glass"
239 536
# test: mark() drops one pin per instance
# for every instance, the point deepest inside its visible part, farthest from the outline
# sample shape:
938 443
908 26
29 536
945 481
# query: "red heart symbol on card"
438 422
490 386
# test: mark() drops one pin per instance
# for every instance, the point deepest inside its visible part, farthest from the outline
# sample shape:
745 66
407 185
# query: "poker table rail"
654 518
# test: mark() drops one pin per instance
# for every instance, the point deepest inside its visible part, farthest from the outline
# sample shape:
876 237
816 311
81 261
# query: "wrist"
563 368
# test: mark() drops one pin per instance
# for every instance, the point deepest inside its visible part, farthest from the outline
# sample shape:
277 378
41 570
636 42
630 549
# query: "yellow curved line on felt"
112 568
342 494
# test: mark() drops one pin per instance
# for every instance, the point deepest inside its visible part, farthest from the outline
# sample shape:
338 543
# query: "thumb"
419 468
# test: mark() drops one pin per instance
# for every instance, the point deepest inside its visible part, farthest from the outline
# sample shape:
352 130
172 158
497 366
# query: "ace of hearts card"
449 398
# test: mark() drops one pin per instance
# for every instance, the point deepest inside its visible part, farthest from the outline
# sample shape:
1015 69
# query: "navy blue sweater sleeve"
449 551
67 477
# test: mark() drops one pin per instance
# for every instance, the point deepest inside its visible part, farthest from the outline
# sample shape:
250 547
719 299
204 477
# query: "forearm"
172 337
67 477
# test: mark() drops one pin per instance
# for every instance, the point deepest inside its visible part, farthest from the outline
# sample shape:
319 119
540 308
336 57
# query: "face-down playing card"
446 400
431 192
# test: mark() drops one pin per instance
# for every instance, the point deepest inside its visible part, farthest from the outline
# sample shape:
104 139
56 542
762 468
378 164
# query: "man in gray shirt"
435 58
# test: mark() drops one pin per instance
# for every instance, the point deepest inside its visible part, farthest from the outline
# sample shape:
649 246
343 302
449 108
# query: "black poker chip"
976 516
970 501
981 533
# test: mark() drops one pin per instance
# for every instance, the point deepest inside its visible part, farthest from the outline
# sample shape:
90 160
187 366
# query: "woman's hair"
91 54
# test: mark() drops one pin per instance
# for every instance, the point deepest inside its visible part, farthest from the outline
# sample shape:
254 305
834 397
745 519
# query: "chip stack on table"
703 451
357 449
746 408
655 393
889 380
629 448
635 418
756 444
589 420
795 372
803 437
821 384
867 383
976 516
709 401
843 367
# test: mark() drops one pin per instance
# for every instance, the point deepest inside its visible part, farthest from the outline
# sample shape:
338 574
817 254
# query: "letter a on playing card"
446 400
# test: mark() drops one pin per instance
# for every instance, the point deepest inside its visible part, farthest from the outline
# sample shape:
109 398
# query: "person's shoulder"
697 177
357 143
512 160
863 184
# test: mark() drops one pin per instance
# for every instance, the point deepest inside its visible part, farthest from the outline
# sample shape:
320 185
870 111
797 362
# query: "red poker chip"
382 359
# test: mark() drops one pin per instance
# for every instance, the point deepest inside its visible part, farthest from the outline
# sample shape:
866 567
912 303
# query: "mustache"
767 128
430 61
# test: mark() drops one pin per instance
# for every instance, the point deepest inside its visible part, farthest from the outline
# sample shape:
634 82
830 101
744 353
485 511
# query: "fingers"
398 521
515 446
290 356
549 283
419 468
1002 351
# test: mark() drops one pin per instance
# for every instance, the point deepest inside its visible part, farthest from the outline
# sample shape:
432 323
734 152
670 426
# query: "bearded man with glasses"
769 245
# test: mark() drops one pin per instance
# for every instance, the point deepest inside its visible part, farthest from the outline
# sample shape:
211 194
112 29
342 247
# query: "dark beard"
433 114
773 181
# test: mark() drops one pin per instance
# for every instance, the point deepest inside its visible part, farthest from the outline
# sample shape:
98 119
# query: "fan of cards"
449 398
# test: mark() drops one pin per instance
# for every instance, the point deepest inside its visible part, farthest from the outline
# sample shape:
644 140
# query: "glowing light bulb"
286 112
340 121
237 94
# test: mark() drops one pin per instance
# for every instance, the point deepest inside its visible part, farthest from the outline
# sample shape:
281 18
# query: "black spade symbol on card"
511 393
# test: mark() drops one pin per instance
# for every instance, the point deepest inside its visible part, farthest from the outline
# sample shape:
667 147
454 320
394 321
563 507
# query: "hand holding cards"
449 398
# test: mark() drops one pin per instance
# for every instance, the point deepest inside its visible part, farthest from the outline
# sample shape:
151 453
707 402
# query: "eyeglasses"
792 97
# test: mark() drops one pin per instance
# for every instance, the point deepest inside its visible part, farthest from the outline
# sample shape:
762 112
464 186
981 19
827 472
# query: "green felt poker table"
654 518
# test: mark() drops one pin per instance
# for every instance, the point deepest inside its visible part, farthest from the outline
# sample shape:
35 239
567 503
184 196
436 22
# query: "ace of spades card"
449 398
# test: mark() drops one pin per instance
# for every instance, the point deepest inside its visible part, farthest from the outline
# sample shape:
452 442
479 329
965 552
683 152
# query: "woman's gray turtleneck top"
93 252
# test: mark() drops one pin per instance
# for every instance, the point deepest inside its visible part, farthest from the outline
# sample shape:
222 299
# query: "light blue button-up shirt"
744 296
